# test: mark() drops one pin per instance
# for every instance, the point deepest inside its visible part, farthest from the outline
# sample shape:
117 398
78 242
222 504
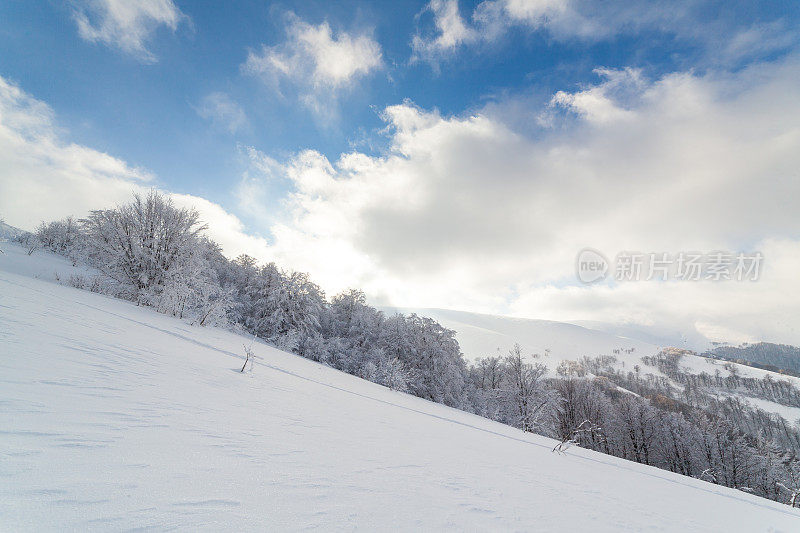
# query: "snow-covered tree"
143 243
194 291
63 237
531 402
430 353
29 241
278 305
791 479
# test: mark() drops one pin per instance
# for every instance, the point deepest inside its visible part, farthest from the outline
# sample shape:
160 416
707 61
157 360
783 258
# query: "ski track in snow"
113 417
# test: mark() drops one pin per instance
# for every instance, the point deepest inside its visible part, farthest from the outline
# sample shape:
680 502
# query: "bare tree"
527 393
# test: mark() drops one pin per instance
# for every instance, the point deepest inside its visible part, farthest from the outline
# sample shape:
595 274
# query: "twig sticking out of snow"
248 350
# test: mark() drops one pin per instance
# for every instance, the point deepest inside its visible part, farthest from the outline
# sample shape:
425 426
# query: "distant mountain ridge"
482 335
781 356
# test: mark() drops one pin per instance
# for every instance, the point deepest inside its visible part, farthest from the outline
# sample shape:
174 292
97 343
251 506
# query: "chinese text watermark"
592 266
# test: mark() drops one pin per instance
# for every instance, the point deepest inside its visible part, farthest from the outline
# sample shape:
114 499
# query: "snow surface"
657 334
481 335
114 417
42 264
696 364
8 232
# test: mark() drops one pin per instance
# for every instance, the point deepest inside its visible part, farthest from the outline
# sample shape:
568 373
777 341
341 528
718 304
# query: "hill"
9 232
779 356
116 417
481 335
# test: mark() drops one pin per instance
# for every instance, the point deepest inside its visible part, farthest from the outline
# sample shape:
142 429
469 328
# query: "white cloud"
563 18
491 19
261 187
727 312
465 212
225 228
43 177
319 63
758 40
451 31
534 11
125 24
601 103
723 35
222 111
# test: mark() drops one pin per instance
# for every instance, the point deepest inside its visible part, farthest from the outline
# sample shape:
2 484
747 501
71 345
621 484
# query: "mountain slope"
481 335
115 417
781 356
9 232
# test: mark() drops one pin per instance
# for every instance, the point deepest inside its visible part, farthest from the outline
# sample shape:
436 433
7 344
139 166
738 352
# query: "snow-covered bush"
156 254
63 237
193 291
29 241
143 244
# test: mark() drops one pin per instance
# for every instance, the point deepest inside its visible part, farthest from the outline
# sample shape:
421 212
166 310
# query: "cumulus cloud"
725 312
466 212
566 19
724 35
225 228
43 177
317 62
261 188
222 111
563 19
124 24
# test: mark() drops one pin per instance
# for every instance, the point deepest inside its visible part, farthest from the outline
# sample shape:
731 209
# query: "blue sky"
146 112
411 140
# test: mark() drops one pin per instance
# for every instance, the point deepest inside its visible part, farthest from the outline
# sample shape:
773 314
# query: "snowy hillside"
8 232
41 264
657 334
116 417
481 335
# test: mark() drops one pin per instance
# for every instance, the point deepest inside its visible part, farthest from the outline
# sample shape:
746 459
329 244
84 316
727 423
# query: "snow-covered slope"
482 335
658 334
114 417
8 232
42 264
